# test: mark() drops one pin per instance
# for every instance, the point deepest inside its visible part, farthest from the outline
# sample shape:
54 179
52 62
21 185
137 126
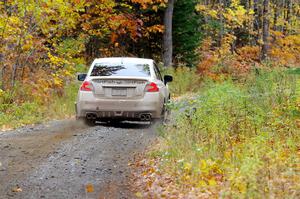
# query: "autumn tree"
42 43
138 28
54 39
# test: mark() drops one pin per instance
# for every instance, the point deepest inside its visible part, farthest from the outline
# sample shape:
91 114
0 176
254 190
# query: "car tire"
166 114
162 120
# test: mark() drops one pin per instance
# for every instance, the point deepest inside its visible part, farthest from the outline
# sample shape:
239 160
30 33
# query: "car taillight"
86 86
152 87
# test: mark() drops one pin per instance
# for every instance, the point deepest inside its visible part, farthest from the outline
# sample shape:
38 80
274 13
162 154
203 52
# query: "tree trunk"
256 21
2 73
289 15
167 37
266 33
221 31
276 15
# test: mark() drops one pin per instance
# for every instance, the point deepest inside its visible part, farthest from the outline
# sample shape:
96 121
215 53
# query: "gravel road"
65 159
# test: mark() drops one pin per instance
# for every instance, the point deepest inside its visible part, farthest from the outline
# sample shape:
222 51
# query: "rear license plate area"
119 91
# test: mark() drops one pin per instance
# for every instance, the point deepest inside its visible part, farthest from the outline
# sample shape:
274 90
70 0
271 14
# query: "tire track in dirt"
59 160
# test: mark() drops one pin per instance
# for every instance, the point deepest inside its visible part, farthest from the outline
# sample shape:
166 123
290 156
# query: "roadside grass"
237 140
14 115
63 107
185 80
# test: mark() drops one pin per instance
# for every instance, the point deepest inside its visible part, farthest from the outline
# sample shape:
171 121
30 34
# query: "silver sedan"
122 89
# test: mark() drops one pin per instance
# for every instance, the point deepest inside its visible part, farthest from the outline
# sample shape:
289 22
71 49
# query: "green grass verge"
59 107
238 140
185 80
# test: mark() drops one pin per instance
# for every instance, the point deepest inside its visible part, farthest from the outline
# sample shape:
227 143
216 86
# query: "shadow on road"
125 125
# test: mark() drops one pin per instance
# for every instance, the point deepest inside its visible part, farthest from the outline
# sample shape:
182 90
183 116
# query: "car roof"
124 60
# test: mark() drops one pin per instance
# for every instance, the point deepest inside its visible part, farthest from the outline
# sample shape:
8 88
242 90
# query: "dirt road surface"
65 159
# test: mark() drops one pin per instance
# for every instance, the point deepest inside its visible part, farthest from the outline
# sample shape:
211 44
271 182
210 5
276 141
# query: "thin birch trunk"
266 32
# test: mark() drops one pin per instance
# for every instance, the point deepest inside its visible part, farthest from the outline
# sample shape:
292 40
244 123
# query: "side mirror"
81 77
168 78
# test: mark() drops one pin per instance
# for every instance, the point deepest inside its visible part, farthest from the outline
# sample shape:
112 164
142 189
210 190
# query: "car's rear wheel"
166 112
163 118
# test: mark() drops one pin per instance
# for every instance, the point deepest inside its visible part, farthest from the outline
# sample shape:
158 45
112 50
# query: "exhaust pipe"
148 117
91 116
145 117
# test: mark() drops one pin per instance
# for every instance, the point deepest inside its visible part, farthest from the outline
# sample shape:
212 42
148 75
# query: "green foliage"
15 115
187 32
238 140
63 106
31 112
185 80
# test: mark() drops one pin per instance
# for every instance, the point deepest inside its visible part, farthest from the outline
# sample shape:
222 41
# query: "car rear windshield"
131 69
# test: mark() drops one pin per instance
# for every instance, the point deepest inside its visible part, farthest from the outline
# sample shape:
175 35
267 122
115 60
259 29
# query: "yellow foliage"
203 165
213 13
1 92
187 167
285 50
146 3
155 28
57 81
200 7
234 16
201 183
212 182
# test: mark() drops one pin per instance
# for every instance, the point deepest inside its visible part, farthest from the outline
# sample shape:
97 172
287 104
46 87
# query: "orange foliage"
219 61
285 49
126 23
249 54
208 59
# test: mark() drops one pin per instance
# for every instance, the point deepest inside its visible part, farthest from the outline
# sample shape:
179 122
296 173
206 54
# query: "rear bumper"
151 103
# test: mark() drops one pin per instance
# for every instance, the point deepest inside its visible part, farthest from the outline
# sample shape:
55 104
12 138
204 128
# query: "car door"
163 87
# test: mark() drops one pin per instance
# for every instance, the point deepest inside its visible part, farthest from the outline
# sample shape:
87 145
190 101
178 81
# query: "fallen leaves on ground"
89 188
151 182
16 189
